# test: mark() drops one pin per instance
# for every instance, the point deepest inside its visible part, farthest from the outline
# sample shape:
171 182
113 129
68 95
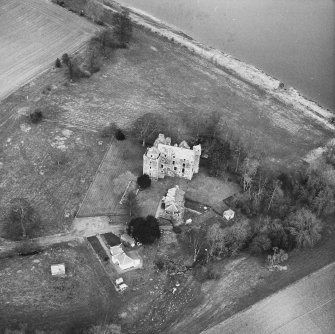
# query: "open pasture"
31 296
33 34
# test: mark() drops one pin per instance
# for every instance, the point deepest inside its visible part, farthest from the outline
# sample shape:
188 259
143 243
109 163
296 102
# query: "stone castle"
164 159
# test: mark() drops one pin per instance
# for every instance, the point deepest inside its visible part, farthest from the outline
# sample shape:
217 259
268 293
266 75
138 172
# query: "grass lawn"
30 295
122 163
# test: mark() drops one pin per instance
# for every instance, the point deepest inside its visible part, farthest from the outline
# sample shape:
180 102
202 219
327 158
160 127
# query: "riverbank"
234 66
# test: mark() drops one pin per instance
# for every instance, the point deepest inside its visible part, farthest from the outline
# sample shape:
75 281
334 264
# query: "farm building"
174 205
58 269
121 259
163 159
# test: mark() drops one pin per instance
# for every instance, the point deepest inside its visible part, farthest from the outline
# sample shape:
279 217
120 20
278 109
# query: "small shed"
119 281
58 269
229 214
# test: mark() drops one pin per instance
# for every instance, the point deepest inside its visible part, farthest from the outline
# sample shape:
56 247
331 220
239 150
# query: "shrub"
278 257
260 244
144 181
177 229
119 135
65 59
36 116
200 273
75 72
160 264
58 63
213 272
27 247
108 131
305 227
94 62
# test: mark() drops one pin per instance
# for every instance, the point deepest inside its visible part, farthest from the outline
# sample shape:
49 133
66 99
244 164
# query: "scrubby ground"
31 296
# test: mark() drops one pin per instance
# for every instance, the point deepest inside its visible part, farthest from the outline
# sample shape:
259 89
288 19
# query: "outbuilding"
58 269
229 214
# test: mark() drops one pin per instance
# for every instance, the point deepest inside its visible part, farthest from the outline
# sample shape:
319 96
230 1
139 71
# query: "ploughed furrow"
33 34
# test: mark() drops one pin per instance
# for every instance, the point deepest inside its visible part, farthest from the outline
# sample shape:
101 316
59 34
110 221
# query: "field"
33 35
31 296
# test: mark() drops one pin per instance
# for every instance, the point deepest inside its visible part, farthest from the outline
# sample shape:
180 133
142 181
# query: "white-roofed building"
164 159
58 269
229 214
121 259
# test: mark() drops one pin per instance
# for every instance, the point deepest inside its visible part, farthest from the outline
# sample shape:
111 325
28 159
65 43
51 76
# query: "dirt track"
33 34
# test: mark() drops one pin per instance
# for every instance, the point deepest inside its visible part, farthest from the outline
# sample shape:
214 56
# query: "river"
292 40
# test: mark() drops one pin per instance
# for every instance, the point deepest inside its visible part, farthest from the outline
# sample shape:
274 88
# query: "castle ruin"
163 159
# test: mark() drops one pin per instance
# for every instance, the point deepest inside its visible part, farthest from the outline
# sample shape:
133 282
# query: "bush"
26 248
36 116
177 229
260 244
75 71
144 181
58 63
213 272
160 264
108 131
200 273
119 135
65 59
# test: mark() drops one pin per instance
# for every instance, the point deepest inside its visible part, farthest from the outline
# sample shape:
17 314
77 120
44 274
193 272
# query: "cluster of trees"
216 241
100 45
145 230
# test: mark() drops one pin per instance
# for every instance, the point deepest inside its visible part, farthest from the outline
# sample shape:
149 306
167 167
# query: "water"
292 40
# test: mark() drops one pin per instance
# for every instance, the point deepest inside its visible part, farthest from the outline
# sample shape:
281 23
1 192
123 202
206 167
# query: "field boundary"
270 296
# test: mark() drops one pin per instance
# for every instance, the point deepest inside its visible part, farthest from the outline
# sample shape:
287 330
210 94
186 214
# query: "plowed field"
33 34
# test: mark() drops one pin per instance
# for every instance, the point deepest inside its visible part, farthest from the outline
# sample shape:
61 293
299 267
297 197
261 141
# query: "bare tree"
147 127
305 227
194 238
131 203
22 220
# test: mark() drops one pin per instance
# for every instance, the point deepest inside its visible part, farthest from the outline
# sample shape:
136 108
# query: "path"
81 228
306 307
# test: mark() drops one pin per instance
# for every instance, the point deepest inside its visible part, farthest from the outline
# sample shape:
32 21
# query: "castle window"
183 165
183 170
173 162
175 168
162 166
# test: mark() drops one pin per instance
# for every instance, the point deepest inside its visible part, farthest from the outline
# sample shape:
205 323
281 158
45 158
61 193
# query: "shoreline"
243 71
